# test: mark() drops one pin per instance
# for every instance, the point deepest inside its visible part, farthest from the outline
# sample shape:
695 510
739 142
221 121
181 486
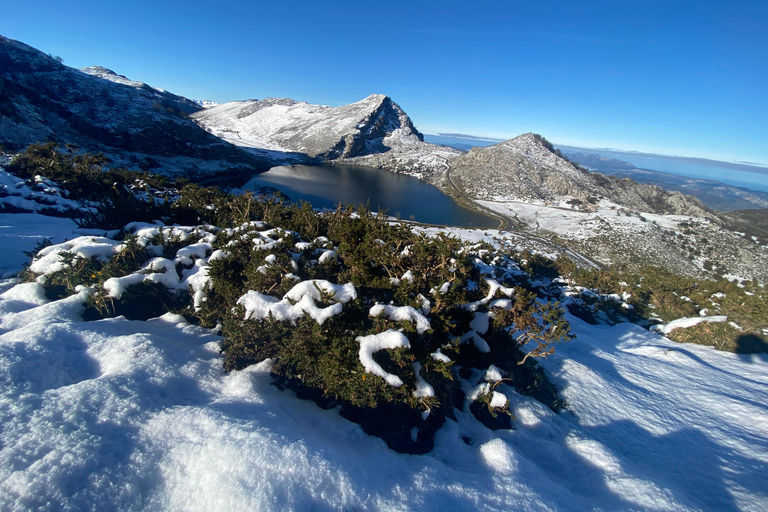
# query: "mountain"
613 221
315 130
98 110
527 169
206 103
374 131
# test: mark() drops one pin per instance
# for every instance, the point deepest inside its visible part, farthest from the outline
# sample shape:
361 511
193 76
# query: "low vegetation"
352 310
658 296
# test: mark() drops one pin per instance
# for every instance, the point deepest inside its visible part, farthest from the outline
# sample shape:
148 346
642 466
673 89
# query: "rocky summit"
527 169
318 131
374 131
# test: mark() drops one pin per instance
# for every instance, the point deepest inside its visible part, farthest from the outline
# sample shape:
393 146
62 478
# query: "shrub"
404 273
453 309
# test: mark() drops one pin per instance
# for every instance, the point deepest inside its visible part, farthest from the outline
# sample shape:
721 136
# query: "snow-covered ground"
21 232
575 224
124 415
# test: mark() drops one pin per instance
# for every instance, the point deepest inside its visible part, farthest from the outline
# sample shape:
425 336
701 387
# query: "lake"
325 186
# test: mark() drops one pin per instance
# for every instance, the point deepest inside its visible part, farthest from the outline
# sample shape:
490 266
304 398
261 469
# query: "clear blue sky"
673 77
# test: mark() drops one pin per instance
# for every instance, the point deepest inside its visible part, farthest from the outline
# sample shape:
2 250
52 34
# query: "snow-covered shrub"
655 295
391 325
118 196
389 348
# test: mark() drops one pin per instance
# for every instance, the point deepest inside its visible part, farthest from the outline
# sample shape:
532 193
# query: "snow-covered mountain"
316 130
206 103
374 131
99 110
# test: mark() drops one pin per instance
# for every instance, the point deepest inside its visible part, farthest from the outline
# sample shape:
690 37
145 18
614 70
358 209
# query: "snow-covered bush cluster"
395 327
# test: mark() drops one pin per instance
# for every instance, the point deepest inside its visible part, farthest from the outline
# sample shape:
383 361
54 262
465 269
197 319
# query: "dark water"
328 185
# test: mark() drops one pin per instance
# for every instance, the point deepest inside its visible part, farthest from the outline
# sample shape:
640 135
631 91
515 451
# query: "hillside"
98 110
525 169
612 220
110 400
374 131
714 194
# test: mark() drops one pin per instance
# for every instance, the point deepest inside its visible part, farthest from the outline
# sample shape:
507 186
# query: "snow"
493 374
498 400
20 232
86 247
477 340
683 323
493 287
40 196
339 292
439 356
402 314
423 388
129 415
373 343
298 301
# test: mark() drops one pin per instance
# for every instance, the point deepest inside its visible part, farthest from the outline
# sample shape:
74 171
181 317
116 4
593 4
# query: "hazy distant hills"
714 194
98 110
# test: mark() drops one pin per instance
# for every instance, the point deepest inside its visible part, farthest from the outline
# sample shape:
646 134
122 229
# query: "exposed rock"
526 169
96 109
406 154
374 132
317 131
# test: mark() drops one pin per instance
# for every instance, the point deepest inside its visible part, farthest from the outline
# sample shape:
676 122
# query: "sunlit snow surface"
130 415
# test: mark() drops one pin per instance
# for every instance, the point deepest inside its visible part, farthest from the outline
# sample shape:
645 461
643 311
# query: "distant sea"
753 177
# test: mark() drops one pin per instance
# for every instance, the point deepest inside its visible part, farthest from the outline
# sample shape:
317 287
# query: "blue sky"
673 77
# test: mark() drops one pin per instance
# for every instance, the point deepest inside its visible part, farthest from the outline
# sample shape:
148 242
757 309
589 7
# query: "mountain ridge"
317 131
527 169
99 110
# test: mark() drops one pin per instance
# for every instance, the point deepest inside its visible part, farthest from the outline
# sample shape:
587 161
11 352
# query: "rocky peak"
318 131
527 168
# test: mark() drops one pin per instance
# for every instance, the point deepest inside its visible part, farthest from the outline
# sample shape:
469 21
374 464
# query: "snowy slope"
129 415
611 234
374 131
316 130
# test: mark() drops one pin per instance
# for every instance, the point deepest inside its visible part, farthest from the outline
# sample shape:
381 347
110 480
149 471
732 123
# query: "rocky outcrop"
374 132
317 131
527 169
43 100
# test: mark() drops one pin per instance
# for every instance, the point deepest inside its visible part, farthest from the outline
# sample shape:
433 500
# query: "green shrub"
659 294
270 246
388 264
